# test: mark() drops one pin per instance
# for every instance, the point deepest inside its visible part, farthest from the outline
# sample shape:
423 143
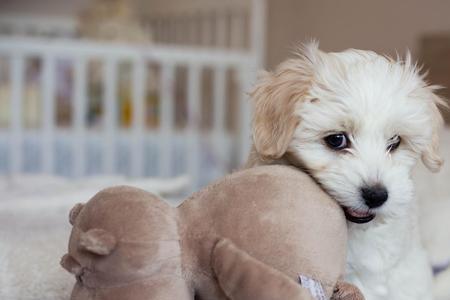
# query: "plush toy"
263 233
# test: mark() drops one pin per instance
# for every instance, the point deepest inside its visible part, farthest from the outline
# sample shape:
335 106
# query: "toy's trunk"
275 214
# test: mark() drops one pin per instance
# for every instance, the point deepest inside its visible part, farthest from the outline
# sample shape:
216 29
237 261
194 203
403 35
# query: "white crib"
79 148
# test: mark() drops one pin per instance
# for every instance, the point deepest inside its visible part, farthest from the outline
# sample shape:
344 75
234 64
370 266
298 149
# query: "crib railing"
221 24
220 29
15 52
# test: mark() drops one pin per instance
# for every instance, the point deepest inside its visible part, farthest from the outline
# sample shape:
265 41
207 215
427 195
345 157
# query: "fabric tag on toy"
314 287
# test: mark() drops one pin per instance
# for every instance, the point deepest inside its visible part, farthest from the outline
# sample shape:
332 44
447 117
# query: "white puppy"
357 122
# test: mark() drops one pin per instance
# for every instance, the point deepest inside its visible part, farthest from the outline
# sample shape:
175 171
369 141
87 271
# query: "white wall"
380 25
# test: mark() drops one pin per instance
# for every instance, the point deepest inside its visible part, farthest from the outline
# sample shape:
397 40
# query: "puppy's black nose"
374 196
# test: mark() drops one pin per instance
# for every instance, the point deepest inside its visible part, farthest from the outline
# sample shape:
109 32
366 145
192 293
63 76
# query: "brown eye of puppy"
337 141
394 143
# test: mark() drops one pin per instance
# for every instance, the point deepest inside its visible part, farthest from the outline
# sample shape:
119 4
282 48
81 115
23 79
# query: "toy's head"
112 252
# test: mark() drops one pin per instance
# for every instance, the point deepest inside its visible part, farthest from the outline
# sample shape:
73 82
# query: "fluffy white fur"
371 98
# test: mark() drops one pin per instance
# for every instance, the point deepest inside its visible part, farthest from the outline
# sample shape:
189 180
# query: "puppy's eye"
394 143
337 141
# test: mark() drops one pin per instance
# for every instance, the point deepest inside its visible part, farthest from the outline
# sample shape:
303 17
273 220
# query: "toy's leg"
161 288
242 277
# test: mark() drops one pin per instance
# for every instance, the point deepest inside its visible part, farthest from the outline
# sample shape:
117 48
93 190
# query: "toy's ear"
74 212
68 263
275 98
97 241
242 277
431 156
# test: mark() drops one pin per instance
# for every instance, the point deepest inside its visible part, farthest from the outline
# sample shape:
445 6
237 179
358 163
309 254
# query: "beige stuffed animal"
252 235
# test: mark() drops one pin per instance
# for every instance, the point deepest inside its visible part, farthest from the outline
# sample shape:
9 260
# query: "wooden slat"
193 151
17 75
237 31
138 122
192 29
156 31
167 118
48 114
258 20
110 100
245 79
79 104
221 31
206 24
219 113
165 31
184 30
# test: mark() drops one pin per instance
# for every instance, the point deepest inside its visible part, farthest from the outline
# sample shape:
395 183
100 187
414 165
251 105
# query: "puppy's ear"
431 156
276 97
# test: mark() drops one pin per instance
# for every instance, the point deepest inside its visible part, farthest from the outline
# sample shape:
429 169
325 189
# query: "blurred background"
153 93
140 88
157 88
